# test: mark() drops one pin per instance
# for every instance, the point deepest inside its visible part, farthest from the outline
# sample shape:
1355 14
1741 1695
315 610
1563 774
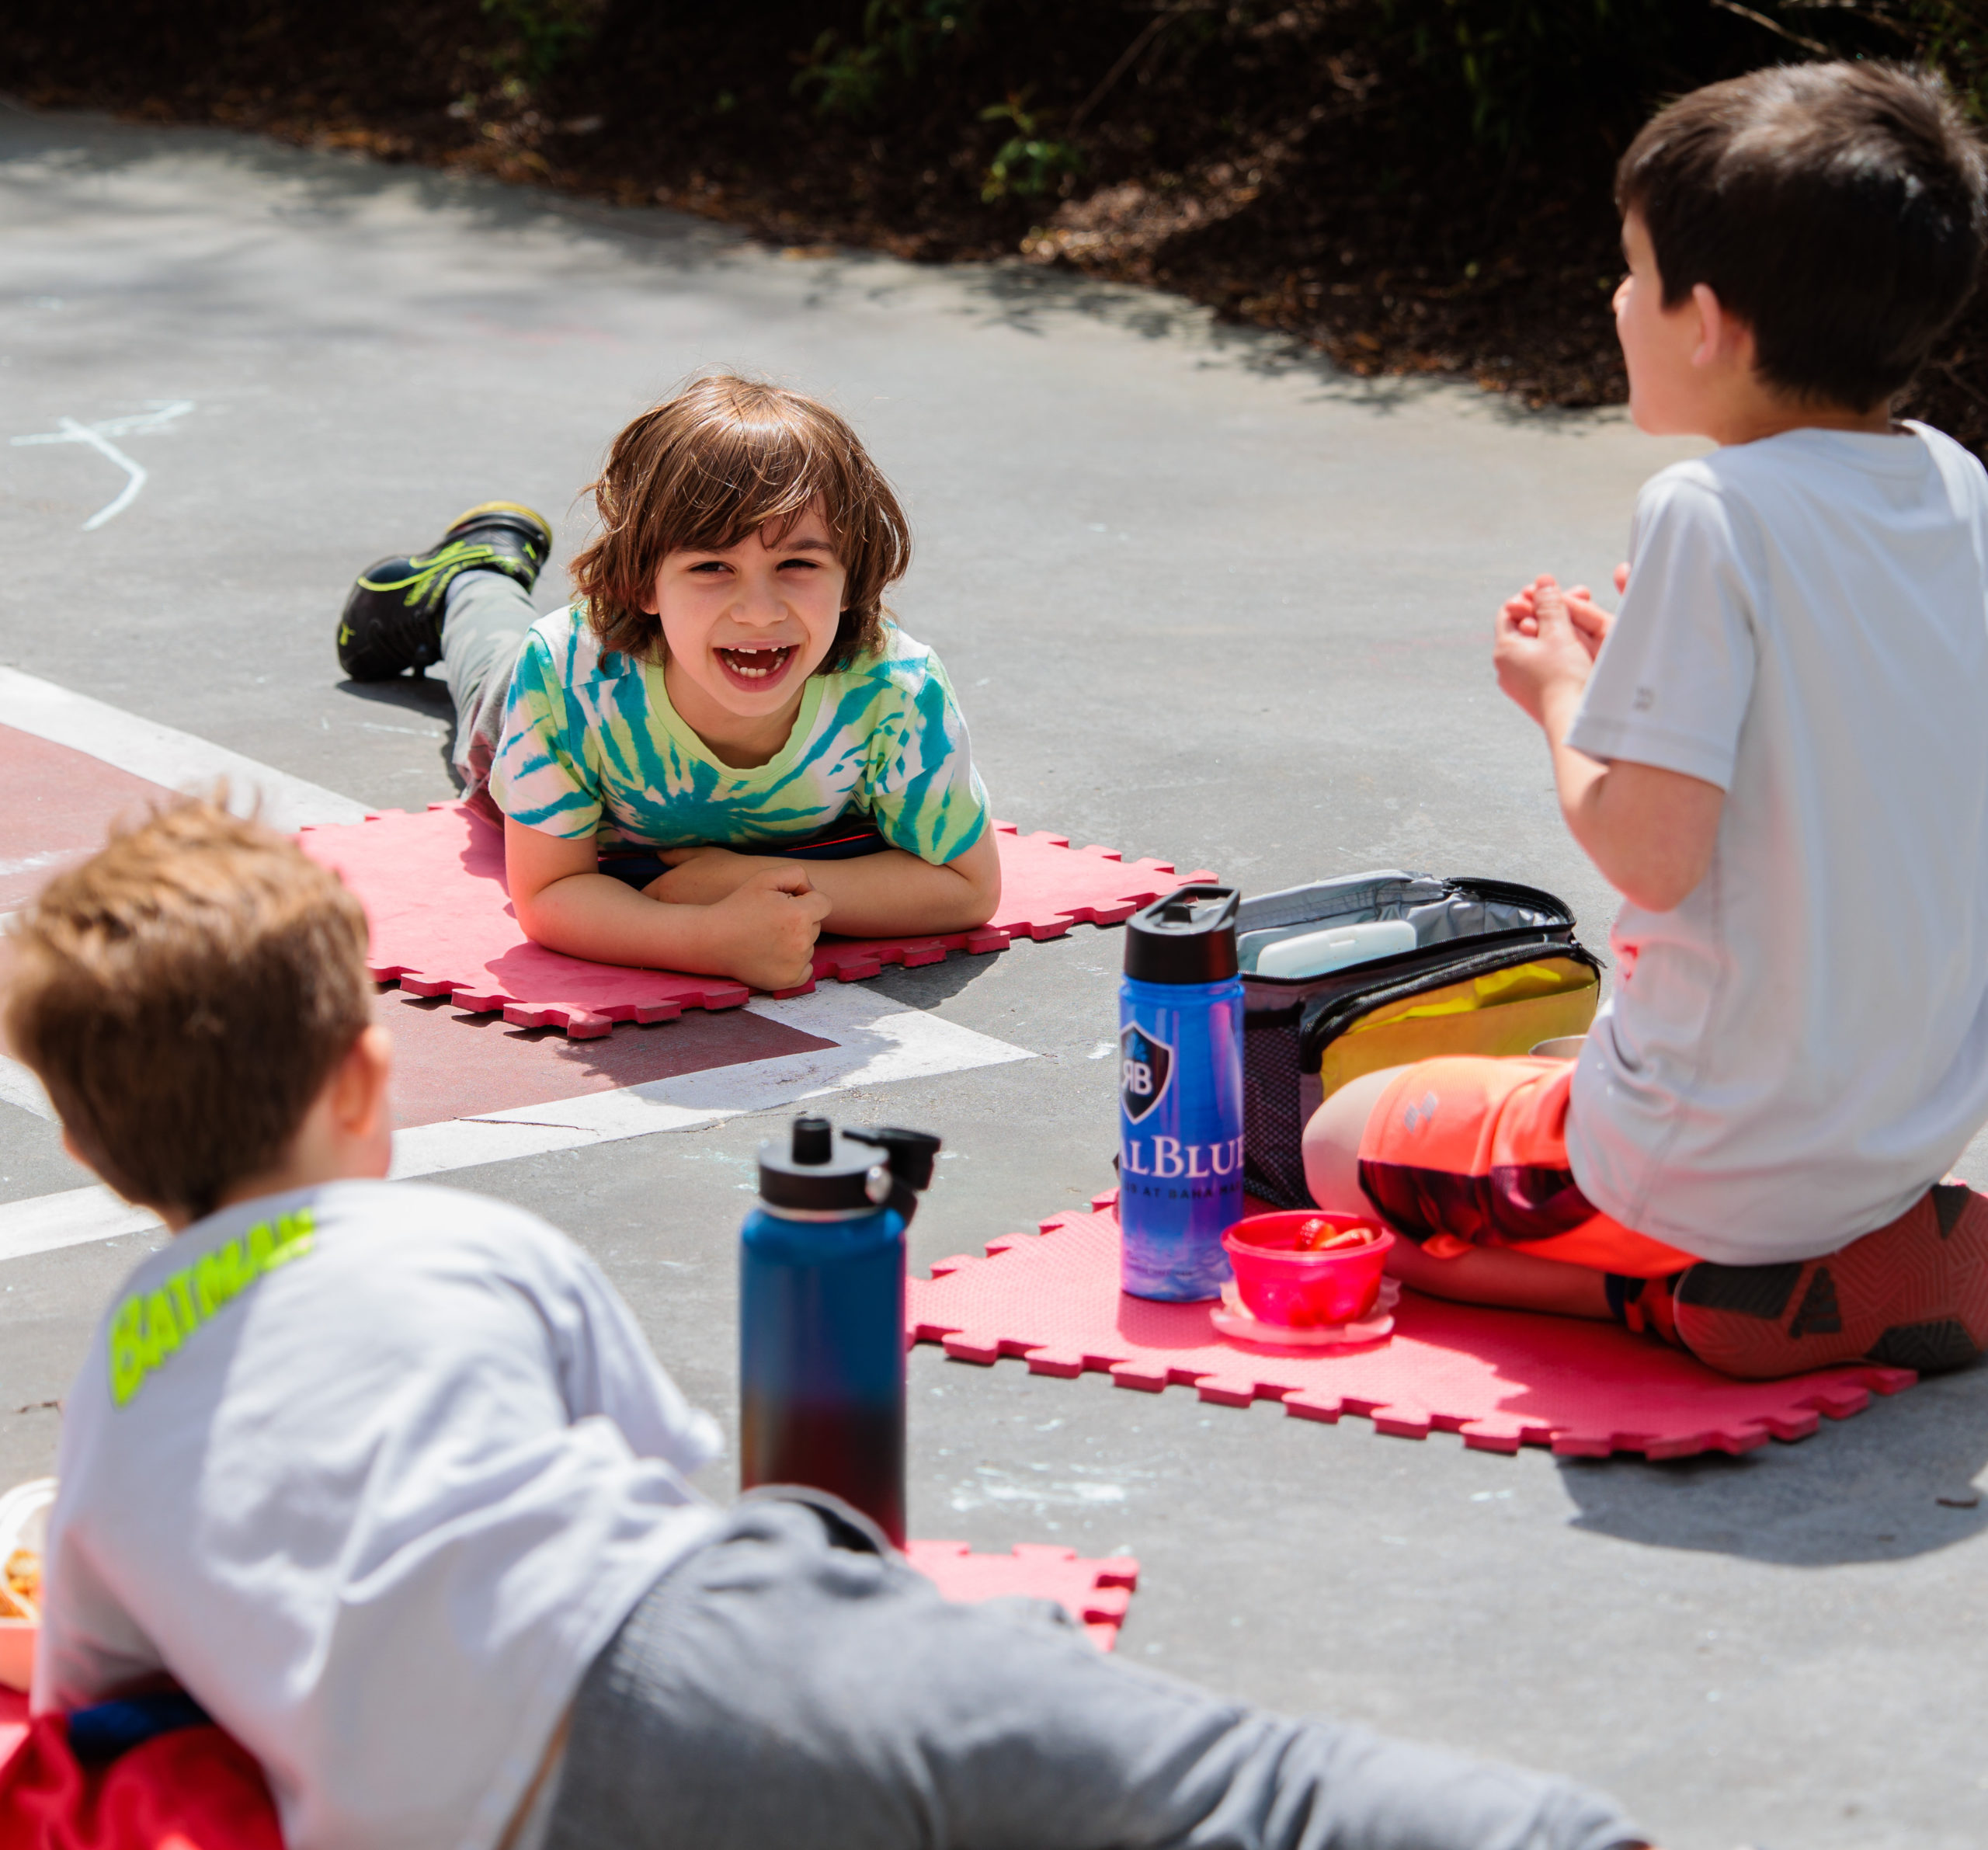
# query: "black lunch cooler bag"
1495 969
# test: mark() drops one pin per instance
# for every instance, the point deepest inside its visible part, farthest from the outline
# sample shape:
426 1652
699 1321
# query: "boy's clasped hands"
1548 639
1650 831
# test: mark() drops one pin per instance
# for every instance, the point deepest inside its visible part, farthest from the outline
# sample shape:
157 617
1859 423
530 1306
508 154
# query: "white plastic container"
1315 953
23 1524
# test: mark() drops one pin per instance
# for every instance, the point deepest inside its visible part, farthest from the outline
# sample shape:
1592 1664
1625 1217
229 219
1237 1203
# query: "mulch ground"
1315 168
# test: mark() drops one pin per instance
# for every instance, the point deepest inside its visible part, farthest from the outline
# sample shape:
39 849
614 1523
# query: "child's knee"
1332 1143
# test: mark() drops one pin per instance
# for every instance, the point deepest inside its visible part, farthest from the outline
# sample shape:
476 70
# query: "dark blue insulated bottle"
1179 1094
821 1313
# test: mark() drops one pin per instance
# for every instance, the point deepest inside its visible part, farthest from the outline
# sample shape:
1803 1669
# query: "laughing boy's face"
746 628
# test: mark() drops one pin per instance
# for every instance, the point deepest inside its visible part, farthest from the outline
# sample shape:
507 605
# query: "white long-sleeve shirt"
375 1470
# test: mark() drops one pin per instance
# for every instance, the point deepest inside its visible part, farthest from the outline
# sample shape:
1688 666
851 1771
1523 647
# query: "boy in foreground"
1777 752
386 1477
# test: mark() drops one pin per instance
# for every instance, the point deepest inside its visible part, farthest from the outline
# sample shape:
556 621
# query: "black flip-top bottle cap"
1188 937
817 1170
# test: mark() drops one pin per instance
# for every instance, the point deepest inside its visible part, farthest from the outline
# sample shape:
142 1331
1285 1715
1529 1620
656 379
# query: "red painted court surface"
449 1065
59 806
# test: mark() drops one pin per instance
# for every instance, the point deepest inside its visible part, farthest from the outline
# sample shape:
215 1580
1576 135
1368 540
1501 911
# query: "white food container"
1332 948
23 1524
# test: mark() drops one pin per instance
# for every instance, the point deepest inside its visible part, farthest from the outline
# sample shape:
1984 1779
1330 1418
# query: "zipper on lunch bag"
1332 1017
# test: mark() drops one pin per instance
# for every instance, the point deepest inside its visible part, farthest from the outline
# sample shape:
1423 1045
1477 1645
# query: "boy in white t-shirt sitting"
386 1477
1777 752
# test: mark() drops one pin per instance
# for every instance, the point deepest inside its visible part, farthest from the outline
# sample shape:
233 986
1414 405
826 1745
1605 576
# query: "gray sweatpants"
483 628
792 1683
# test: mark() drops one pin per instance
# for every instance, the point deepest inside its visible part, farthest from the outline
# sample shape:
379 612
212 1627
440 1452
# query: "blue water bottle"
821 1313
1179 1094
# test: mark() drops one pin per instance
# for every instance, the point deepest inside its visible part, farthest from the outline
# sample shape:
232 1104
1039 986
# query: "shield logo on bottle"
1145 1066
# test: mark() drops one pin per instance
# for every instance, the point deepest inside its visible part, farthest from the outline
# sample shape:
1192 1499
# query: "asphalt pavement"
1203 599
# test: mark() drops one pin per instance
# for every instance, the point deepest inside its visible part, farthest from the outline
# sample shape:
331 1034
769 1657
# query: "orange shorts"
1465 1152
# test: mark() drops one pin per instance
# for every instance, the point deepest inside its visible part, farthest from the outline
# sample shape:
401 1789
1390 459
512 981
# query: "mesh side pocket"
1273 1155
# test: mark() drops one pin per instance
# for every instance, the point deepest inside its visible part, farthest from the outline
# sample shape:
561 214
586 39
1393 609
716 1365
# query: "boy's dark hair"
724 458
1837 208
182 996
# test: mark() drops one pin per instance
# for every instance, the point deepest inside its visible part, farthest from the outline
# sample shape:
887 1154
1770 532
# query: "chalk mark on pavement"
98 436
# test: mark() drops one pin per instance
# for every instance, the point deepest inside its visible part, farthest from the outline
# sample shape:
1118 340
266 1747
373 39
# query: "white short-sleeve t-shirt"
375 1471
1797 1052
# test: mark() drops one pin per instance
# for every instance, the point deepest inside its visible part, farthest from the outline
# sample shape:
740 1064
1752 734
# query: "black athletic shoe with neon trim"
392 620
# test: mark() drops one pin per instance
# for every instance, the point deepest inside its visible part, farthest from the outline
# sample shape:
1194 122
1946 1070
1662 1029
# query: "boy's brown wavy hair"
724 458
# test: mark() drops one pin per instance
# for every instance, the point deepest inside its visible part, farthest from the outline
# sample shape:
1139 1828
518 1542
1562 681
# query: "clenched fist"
764 931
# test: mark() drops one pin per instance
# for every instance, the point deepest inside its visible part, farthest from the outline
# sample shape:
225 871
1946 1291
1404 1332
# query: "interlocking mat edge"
1096 1594
432 883
1500 1378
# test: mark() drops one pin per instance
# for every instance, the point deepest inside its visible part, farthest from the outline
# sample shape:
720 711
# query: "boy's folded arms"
761 927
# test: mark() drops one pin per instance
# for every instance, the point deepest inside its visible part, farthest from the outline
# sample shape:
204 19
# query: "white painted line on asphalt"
176 759
19 1086
875 1040
98 436
76 1215
878 1042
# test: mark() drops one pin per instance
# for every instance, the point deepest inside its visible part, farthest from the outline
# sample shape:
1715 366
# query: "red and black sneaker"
1913 1294
392 620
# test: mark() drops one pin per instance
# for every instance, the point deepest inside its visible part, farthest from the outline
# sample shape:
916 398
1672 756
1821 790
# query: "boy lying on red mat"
387 1478
1774 751
724 746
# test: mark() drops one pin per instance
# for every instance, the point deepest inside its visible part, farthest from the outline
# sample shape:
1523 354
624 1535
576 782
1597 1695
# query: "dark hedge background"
1414 185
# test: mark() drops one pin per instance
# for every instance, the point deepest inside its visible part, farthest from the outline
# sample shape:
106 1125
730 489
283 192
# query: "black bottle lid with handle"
1187 937
819 1170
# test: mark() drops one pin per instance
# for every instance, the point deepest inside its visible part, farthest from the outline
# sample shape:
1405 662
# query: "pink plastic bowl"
1281 1285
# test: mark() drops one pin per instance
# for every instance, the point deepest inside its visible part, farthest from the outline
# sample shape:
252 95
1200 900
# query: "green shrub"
1524 68
1029 163
544 33
1517 63
852 80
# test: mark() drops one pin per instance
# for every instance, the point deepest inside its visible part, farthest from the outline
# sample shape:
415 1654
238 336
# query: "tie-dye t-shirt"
592 745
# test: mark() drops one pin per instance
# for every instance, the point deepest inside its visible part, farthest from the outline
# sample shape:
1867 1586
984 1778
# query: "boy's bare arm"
873 896
762 931
1650 832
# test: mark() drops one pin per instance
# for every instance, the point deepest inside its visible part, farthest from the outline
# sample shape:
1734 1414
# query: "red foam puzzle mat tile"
60 804
1095 1593
432 885
1501 1379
